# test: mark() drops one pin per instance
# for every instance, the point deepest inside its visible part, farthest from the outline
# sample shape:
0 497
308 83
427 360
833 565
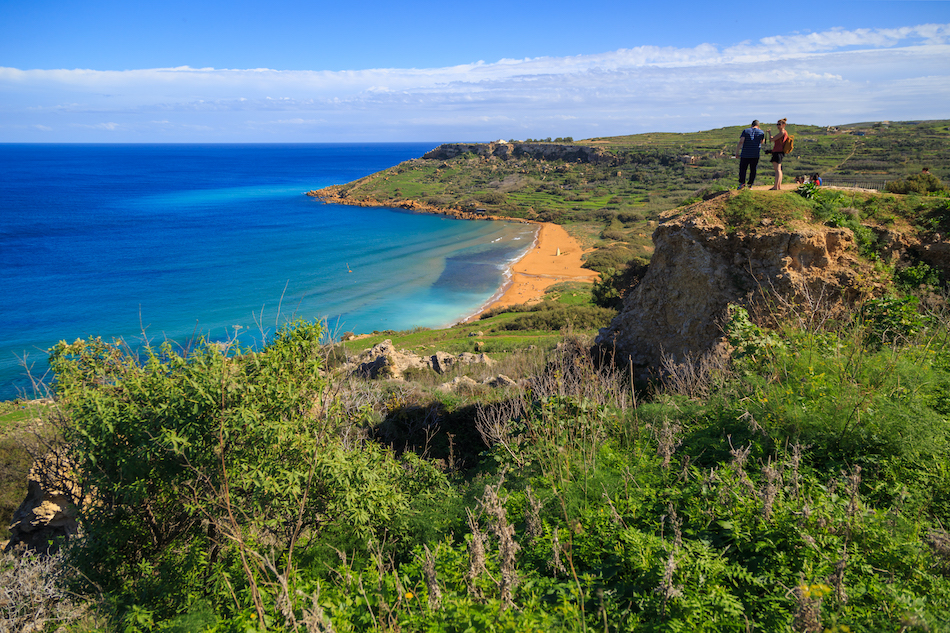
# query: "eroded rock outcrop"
699 267
385 361
48 515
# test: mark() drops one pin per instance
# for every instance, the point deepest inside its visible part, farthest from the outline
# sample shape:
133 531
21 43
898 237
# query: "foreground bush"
798 486
207 467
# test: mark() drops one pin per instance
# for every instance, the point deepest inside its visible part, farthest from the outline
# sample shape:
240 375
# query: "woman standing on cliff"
778 151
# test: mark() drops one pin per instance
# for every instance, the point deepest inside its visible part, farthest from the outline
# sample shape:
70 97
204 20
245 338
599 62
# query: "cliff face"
537 151
338 195
699 267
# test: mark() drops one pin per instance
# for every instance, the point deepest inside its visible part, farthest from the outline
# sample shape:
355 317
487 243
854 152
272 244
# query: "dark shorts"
777 157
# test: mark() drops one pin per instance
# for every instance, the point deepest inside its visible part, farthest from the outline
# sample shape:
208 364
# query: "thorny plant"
496 424
694 377
31 592
476 555
573 372
667 439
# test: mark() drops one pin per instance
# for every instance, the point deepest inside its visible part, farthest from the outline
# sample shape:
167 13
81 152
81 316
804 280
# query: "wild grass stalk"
432 582
493 505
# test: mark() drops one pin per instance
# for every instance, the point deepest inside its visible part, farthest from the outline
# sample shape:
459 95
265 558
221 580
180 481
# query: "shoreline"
553 257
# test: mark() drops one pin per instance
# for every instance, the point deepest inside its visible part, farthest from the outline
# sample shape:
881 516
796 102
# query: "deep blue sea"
178 240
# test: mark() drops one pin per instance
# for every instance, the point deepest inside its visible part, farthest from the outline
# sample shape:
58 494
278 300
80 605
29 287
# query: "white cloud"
111 127
828 77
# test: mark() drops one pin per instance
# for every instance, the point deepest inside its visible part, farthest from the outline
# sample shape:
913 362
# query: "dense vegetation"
799 482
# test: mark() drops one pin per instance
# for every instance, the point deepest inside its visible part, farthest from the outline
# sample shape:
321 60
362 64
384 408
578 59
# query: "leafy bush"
917 183
15 462
208 455
917 275
614 284
630 217
613 234
808 190
614 256
748 339
491 197
889 319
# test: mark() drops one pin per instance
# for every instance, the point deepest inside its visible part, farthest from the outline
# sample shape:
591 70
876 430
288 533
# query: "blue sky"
244 71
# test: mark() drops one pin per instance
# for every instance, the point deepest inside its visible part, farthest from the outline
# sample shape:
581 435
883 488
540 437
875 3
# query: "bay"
173 241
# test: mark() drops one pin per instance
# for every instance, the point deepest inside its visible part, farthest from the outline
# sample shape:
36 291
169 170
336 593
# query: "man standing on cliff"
748 149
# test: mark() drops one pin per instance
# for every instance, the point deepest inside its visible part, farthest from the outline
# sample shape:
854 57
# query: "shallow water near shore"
108 240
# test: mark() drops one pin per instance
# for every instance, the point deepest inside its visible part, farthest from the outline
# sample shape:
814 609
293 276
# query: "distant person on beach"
778 151
750 144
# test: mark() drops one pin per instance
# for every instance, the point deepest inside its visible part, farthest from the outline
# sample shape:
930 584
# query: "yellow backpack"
788 145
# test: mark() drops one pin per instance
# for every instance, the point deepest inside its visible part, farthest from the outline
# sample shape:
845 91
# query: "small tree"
923 183
176 445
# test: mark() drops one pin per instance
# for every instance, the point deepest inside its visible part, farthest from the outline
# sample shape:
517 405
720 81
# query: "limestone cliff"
700 266
537 151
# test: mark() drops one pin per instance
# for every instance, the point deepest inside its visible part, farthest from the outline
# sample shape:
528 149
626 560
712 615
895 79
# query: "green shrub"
196 456
917 183
613 285
917 275
614 256
15 462
491 197
808 190
613 234
889 319
630 217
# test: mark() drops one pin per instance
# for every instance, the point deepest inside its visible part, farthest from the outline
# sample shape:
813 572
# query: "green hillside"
614 203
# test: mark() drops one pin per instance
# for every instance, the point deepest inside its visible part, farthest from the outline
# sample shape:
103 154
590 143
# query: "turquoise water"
178 240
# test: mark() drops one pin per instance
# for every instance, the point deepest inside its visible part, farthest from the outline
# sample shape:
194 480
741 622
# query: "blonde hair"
783 121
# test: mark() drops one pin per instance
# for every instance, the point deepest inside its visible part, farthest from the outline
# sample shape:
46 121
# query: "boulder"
500 380
441 362
385 361
48 514
458 382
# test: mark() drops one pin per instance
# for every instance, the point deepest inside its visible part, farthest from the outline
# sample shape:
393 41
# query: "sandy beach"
555 257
